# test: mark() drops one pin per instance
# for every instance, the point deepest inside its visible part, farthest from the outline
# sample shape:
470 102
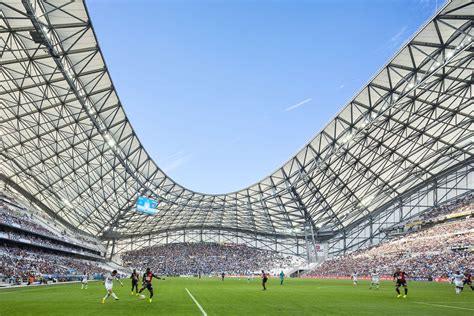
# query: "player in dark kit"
147 278
222 276
264 280
468 280
400 277
135 277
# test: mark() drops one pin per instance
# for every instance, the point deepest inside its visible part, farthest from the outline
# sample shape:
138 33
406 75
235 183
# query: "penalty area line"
447 306
203 312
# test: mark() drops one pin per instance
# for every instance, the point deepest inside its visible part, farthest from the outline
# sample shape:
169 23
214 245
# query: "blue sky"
221 93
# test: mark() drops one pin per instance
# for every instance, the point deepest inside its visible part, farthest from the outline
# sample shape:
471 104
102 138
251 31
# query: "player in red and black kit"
135 277
400 277
468 279
264 280
147 278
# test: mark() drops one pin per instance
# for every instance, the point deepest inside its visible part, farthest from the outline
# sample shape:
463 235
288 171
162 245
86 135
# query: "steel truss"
66 140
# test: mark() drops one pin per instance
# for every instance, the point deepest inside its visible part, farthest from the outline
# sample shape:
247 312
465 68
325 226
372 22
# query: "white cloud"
398 37
178 159
395 41
297 105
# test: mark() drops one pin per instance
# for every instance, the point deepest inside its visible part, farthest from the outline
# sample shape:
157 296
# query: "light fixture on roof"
364 123
110 141
410 85
70 73
366 201
67 203
449 54
347 138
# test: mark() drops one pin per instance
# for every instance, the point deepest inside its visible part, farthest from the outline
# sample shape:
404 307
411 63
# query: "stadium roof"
67 142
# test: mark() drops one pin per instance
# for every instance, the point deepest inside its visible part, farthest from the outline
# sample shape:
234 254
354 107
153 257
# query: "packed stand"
22 263
205 258
17 216
17 236
458 206
431 252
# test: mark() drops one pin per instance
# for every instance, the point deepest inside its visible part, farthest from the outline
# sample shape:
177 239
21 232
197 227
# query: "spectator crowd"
14 215
434 250
206 259
21 263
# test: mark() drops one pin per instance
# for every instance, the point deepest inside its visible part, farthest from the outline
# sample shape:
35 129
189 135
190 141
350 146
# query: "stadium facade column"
371 230
112 251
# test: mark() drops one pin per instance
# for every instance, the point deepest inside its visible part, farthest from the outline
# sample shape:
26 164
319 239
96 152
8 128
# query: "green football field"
237 297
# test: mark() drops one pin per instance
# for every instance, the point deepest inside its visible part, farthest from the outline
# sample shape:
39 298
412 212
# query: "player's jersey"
148 277
84 278
468 277
375 276
400 276
134 277
264 276
109 279
354 276
457 277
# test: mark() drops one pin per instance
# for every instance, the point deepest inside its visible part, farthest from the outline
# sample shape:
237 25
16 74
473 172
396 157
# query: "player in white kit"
109 284
354 278
85 280
375 280
457 278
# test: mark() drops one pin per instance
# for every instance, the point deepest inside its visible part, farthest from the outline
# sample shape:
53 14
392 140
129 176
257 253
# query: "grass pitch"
237 297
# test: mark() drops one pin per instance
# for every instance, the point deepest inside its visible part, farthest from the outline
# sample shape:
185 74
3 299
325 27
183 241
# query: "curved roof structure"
66 140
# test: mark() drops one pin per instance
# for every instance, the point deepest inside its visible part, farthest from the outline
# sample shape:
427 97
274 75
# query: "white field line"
447 306
203 312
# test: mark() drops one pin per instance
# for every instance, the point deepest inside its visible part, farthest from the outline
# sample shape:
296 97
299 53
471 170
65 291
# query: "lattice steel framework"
66 140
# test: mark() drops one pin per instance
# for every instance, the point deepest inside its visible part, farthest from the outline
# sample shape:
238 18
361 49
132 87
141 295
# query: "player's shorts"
264 280
147 286
108 287
354 279
84 281
467 282
375 281
401 283
458 284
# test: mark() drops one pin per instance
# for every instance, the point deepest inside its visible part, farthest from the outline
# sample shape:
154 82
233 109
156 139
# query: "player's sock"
398 291
406 291
114 296
106 297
